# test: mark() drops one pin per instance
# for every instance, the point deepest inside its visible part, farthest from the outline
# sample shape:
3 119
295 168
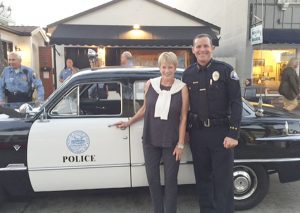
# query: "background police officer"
68 71
16 82
214 121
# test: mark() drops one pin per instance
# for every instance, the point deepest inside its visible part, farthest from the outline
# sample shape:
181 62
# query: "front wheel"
251 184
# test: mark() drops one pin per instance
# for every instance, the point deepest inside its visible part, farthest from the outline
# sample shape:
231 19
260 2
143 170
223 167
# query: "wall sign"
257 35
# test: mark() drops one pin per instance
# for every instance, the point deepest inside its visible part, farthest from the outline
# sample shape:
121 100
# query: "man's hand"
2 103
230 143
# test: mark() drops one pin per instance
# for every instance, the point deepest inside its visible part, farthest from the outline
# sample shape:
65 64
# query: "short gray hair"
15 54
292 62
127 54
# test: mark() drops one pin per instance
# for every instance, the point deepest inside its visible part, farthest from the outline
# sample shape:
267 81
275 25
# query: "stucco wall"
60 61
131 12
232 17
29 48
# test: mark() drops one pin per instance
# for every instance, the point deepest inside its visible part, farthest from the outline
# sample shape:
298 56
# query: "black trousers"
162 200
213 165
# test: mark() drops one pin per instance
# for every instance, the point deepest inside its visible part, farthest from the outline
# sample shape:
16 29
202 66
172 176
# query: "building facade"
144 27
280 20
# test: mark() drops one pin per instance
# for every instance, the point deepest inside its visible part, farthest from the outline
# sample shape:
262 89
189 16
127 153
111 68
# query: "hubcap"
245 182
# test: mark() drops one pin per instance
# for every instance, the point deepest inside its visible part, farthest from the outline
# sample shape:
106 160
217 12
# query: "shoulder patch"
234 75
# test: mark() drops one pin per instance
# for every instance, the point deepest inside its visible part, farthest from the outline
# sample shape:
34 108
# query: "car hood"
271 111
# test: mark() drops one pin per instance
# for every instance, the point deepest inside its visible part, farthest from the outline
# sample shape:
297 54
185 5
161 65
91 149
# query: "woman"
289 86
165 114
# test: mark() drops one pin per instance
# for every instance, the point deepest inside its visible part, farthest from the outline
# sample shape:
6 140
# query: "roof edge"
16 32
215 27
83 13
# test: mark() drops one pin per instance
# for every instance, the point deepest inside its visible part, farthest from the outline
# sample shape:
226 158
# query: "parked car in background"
69 143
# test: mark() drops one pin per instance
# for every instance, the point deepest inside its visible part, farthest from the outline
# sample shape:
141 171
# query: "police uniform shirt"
216 86
20 81
65 73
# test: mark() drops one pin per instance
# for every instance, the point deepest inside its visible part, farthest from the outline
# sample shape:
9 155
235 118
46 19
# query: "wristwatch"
180 146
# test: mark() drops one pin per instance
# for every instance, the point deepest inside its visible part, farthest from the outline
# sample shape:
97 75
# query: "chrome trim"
266 160
137 164
14 167
79 167
290 137
239 161
143 164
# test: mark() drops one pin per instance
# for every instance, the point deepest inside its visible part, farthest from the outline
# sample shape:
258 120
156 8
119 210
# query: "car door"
77 147
139 178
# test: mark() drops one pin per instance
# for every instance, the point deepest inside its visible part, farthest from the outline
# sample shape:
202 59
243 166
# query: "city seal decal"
78 142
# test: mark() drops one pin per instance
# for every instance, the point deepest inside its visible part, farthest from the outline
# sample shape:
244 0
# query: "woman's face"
167 70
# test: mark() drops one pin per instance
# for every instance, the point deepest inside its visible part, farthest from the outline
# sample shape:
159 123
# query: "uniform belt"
214 122
195 121
17 93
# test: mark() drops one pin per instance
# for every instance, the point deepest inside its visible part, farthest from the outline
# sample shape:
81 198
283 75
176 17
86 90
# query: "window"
138 94
68 105
99 98
7 48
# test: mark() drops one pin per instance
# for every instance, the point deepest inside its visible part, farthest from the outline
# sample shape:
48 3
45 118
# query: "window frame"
134 93
78 115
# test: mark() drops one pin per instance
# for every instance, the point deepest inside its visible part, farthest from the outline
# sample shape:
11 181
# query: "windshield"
55 91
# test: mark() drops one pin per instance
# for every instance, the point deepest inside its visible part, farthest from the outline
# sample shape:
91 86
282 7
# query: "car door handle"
100 107
125 138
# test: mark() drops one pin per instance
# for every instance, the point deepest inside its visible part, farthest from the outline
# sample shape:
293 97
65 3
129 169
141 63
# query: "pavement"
282 198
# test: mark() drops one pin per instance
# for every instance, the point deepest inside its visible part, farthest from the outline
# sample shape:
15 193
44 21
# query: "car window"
138 94
92 99
103 98
68 104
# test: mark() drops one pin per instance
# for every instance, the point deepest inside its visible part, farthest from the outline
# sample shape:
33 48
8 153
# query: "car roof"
111 72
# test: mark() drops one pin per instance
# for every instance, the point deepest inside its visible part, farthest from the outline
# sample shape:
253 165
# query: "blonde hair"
167 58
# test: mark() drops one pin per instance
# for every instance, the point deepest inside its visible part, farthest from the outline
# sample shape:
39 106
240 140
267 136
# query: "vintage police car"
69 143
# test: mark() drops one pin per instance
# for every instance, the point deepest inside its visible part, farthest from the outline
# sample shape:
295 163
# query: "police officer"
214 122
16 82
67 71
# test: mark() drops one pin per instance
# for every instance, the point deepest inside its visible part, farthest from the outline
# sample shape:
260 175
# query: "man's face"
14 61
203 50
69 63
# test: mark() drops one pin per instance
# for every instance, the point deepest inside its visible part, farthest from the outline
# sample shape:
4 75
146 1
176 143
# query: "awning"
126 36
281 36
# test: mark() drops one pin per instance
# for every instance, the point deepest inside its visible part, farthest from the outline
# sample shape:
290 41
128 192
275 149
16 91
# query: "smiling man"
214 121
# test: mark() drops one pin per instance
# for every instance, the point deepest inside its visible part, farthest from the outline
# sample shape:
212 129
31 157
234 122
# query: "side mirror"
43 116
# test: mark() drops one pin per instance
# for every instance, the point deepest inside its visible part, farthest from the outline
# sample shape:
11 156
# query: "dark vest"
162 133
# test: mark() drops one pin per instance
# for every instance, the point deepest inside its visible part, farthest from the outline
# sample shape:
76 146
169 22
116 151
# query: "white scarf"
163 102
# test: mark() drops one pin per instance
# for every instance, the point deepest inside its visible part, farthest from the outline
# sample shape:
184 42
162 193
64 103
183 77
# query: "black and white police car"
69 143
